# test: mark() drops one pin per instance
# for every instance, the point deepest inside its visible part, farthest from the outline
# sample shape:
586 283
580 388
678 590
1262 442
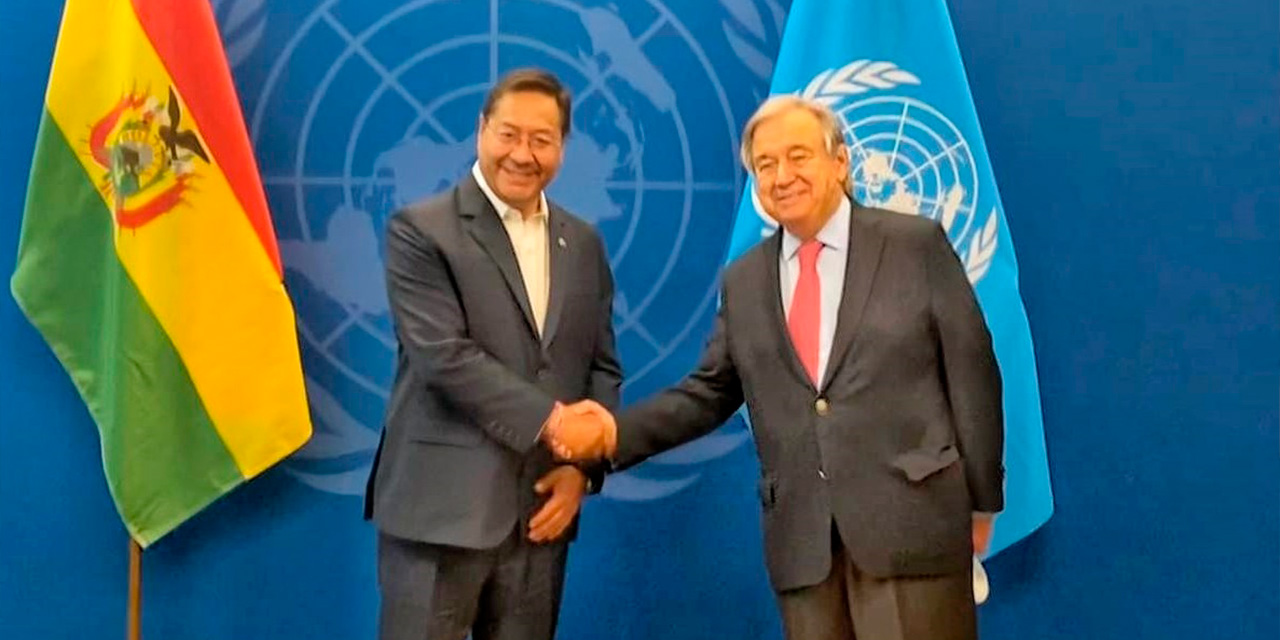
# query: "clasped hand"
583 430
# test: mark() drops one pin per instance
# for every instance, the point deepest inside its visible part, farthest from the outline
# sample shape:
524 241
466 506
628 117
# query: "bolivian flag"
148 262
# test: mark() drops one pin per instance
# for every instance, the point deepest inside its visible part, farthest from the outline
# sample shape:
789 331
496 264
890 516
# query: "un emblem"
370 106
906 156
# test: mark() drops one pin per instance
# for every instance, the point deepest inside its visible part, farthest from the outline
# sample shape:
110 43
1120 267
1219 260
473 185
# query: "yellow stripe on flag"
199 266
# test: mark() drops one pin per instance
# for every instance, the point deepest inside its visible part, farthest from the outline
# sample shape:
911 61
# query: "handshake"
580 431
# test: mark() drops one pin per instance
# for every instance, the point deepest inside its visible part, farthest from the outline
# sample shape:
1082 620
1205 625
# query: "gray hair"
832 134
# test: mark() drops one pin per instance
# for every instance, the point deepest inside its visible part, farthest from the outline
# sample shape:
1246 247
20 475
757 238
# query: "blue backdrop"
1136 146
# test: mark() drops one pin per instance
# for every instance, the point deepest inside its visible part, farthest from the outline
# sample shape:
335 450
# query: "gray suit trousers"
434 592
851 605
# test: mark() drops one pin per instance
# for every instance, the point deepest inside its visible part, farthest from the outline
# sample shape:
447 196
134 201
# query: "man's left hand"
982 525
566 486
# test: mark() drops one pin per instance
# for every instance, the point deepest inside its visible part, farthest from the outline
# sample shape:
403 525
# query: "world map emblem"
356 117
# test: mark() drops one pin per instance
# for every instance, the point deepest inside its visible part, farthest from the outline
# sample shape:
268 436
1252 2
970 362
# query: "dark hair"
537 81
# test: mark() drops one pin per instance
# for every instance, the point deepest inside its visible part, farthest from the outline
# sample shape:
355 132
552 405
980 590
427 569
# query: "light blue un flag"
891 69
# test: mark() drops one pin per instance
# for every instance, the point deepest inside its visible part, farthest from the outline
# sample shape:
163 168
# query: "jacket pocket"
919 464
448 433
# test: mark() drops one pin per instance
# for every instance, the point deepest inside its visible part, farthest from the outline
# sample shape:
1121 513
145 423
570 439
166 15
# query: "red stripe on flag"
185 38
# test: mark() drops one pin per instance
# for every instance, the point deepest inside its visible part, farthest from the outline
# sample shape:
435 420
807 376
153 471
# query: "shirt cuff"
553 419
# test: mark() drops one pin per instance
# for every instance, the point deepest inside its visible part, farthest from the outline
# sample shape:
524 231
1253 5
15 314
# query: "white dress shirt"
834 237
529 239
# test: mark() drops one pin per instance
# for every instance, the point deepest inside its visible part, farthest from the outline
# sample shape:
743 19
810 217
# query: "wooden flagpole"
134 630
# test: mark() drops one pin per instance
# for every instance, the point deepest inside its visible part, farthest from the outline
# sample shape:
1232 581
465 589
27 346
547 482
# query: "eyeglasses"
510 137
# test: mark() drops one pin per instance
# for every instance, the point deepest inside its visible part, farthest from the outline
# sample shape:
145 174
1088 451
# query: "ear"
842 163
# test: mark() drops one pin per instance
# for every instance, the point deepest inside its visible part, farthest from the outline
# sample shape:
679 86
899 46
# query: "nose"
521 153
784 176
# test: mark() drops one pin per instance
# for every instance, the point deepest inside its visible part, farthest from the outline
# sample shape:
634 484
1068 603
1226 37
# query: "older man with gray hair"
856 342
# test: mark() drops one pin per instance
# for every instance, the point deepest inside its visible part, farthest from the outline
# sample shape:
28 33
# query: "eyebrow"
535 130
786 152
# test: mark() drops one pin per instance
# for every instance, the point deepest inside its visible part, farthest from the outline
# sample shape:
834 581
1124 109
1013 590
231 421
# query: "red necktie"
804 319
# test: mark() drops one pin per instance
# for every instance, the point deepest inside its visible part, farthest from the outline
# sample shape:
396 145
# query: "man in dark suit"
866 366
502 305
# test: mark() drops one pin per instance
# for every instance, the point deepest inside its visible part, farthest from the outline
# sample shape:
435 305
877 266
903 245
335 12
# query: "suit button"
822 474
822 407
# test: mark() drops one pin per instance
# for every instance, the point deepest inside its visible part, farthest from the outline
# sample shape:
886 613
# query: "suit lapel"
560 252
865 245
778 315
485 226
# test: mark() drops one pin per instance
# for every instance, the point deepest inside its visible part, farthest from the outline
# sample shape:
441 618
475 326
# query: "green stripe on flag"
163 458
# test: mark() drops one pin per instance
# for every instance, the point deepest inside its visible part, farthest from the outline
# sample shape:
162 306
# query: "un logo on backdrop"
370 106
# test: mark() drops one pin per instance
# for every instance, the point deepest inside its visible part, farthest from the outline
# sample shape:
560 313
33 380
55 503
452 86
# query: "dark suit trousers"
432 592
850 605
